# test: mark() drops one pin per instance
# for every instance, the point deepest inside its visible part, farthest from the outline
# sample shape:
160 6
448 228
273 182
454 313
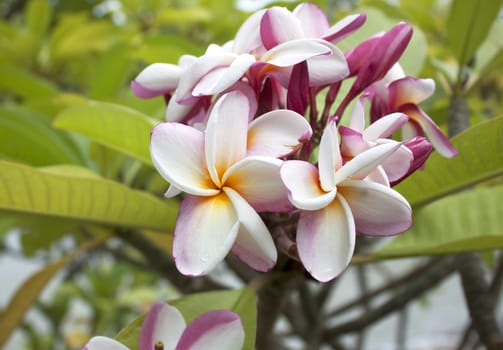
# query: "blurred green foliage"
65 70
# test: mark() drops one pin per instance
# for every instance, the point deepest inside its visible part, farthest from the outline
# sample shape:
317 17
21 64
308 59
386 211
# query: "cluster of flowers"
244 135
164 329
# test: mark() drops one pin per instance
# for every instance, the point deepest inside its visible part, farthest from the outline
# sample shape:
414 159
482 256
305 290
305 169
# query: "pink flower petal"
198 69
213 330
104 343
385 126
257 180
163 323
364 163
253 245
378 210
221 78
398 164
277 133
302 181
226 131
156 79
327 69
313 20
439 141
205 231
279 25
177 154
352 142
344 27
410 90
247 39
292 52
326 239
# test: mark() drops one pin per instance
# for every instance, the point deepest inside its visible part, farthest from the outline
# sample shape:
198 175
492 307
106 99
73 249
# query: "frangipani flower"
164 328
337 202
229 172
355 139
399 93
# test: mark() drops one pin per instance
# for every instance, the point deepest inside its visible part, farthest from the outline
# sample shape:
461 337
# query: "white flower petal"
378 210
326 239
329 157
227 127
254 245
222 78
385 126
292 52
302 181
257 180
177 152
327 69
213 330
277 133
162 323
157 79
205 231
365 162
104 343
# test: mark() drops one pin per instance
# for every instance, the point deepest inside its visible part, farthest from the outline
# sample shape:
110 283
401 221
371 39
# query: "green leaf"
469 221
28 137
75 194
241 301
468 25
121 128
38 17
25 84
480 158
110 72
28 293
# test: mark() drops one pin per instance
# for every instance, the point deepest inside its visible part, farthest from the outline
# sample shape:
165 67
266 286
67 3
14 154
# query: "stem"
271 297
478 299
471 269
412 290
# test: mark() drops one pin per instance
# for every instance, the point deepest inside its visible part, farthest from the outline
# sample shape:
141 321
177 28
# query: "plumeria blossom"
229 172
399 93
337 202
244 120
164 328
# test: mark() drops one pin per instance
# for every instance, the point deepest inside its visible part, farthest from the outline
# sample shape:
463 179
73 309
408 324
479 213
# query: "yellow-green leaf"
121 128
480 158
468 24
71 194
469 221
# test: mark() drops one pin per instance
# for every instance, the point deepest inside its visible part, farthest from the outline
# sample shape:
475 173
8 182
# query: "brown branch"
163 263
410 291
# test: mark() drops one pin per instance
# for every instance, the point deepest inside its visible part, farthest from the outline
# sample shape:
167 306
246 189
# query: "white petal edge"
378 210
177 152
104 343
205 231
253 245
277 133
326 240
226 130
302 182
162 323
214 330
365 162
258 181
329 156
